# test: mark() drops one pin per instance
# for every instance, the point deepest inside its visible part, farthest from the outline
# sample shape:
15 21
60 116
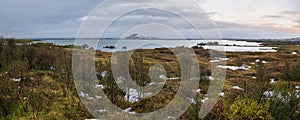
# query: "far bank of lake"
112 45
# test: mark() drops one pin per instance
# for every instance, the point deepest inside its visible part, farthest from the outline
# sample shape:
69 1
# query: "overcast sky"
233 18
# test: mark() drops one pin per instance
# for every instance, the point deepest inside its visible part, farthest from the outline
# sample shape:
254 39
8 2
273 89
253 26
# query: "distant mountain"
137 36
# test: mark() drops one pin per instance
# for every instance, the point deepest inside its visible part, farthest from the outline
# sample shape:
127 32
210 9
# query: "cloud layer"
233 18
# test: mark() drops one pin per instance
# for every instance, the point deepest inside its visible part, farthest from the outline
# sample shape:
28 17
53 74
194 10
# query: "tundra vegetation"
36 82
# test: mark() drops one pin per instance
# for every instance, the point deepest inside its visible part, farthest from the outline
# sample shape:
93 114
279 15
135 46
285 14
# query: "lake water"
231 45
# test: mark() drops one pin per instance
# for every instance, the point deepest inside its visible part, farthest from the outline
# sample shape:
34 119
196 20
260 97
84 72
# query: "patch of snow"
102 74
152 83
191 100
254 77
237 88
131 112
120 79
16 79
258 60
218 60
268 93
98 97
222 94
127 110
163 77
203 100
210 78
272 80
294 53
284 99
82 94
198 91
297 87
297 93
102 110
252 63
171 117
90 98
174 78
99 86
234 68
52 68
132 94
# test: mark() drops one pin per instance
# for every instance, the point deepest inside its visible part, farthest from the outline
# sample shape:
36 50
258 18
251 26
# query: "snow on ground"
268 93
173 78
103 74
294 53
285 99
99 86
258 60
156 83
237 88
16 79
203 100
163 77
218 60
210 78
52 68
85 95
102 110
234 68
128 111
222 94
171 117
99 97
191 100
264 62
197 91
82 94
272 80
132 95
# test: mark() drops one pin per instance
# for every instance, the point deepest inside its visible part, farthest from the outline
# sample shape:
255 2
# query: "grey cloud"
273 16
290 12
26 17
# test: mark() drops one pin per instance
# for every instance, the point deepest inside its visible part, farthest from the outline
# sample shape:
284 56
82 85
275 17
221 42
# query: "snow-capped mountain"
137 36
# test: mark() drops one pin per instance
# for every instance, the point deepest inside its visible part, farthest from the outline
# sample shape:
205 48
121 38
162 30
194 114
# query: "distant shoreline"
235 39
